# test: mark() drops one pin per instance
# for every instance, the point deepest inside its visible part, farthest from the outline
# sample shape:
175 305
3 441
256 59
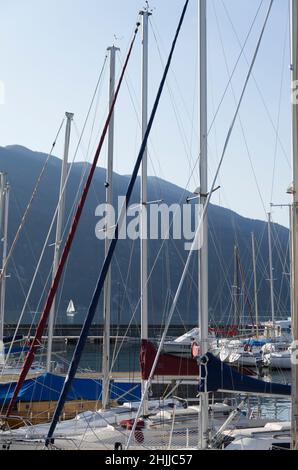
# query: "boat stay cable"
56 211
30 203
196 240
214 117
105 268
267 110
52 292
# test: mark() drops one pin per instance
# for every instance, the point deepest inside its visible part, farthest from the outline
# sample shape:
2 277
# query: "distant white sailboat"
71 311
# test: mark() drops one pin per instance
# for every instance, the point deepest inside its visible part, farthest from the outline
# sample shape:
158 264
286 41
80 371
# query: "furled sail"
222 377
169 364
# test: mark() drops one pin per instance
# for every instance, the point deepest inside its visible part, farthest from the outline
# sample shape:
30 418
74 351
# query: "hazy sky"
51 53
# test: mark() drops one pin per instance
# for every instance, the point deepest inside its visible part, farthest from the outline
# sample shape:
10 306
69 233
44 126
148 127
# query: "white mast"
144 194
271 279
59 233
236 289
4 219
295 223
2 186
109 201
203 253
253 244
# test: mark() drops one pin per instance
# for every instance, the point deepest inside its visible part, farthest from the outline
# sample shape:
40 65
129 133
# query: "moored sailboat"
71 311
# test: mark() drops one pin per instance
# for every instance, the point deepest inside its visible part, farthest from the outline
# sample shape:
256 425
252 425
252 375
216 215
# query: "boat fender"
139 437
195 350
128 424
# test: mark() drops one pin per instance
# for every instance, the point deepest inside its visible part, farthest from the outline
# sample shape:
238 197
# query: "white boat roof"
280 426
282 323
194 333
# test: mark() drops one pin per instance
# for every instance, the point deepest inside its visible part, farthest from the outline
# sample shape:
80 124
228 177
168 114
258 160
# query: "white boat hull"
279 361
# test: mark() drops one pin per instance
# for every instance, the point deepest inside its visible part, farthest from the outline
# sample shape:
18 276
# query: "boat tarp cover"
221 376
47 387
254 343
9 339
16 349
168 364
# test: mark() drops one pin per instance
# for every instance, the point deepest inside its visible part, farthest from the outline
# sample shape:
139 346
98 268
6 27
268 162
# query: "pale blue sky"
51 52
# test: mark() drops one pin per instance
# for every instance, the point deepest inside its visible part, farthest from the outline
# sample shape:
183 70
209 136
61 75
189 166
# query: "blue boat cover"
221 376
9 339
16 349
255 343
48 387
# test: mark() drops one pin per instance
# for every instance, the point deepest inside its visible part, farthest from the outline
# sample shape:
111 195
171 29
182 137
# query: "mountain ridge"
83 267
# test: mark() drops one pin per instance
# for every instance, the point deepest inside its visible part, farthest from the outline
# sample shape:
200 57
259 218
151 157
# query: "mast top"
113 48
146 10
69 115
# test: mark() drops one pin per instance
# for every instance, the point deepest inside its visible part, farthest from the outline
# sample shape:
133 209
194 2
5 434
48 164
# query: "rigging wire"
240 121
155 182
148 383
29 205
209 130
113 244
235 100
69 241
125 283
26 235
179 120
279 112
257 87
233 72
45 284
56 211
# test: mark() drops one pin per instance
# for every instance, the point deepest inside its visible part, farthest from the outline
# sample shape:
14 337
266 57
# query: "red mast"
46 311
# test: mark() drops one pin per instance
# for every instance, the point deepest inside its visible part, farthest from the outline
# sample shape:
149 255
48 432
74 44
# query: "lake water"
125 358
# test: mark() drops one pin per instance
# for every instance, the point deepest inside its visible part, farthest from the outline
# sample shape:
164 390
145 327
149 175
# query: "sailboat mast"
4 209
2 185
236 289
294 69
64 256
254 263
144 193
59 233
203 252
271 279
109 202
